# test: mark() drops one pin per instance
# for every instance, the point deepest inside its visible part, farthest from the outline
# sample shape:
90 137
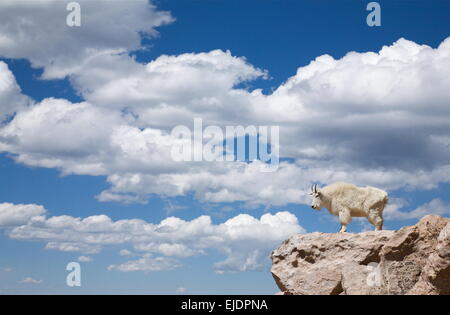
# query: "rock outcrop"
412 260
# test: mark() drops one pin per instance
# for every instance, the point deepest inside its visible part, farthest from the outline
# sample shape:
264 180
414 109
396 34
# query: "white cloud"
147 263
177 86
13 215
68 246
11 97
435 206
84 259
385 109
245 241
125 252
336 130
30 280
37 31
166 249
40 135
390 132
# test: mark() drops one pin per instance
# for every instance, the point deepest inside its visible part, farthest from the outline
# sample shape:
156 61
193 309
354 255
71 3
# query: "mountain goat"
347 200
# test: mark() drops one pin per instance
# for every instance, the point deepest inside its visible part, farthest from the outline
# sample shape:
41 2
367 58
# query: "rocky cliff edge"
412 260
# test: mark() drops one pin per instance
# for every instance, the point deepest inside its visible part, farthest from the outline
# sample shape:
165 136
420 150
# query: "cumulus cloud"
379 110
435 206
13 215
169 85
147 263
244 240
37 31
39 135
11 97
389 129
369 118
137 161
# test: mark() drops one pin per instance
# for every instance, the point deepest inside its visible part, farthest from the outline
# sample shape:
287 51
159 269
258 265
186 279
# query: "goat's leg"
345 218
376 218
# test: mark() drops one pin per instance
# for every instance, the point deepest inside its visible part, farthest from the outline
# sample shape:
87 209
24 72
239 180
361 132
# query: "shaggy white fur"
347 200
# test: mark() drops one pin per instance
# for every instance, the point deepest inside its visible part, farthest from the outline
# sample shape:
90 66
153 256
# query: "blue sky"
88 166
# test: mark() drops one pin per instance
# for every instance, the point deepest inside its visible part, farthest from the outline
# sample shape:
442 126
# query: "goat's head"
317 201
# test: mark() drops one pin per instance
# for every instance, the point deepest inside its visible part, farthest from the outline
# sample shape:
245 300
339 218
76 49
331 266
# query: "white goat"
347 200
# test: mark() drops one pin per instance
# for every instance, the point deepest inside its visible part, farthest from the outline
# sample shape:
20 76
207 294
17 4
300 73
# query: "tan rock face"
413 260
